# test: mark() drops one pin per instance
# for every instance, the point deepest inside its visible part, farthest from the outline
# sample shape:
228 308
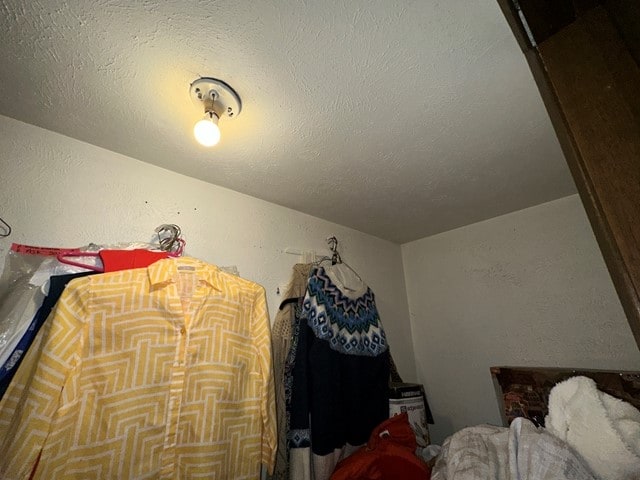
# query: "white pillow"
604 430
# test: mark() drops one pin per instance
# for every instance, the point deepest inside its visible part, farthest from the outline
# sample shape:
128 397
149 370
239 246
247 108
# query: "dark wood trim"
587 116
626 16
524 391
547 17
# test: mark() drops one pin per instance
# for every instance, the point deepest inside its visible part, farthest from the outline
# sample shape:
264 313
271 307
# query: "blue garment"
338 368
57 285
351 325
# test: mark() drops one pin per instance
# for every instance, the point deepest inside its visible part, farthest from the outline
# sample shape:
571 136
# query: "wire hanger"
7 227
169 239
333 246
335 258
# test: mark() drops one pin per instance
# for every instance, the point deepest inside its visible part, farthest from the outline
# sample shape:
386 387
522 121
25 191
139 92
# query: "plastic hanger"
169 241
180 248
62 258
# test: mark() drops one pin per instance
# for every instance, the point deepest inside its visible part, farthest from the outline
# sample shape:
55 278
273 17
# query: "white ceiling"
398 118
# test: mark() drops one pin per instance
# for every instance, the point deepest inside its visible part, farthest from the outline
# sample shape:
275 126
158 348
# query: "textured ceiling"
398 118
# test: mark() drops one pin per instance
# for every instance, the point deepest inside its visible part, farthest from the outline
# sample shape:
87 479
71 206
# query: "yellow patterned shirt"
158 372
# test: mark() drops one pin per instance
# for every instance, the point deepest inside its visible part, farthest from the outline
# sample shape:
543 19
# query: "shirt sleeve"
27 410
262 338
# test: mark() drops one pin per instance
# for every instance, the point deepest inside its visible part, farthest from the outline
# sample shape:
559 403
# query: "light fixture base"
226 101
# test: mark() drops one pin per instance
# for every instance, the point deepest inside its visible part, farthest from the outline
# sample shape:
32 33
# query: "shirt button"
183 331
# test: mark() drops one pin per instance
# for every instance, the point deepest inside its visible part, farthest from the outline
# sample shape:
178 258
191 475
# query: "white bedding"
603 429
521 452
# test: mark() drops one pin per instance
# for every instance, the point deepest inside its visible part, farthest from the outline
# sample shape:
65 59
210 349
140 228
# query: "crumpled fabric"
520 452
281 337
604 430
389 455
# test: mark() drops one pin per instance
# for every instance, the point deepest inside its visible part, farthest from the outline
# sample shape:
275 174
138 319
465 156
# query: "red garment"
389 455
116 260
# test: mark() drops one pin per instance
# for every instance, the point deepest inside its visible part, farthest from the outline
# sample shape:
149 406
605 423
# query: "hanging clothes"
116 260
57 285
281 337
22 293
339 376
16 317
163 372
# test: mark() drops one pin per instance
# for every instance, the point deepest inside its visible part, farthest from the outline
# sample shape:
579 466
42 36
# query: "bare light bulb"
206 130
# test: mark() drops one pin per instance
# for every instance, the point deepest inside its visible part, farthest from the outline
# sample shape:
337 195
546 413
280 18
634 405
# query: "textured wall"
528 289
56 191
417 116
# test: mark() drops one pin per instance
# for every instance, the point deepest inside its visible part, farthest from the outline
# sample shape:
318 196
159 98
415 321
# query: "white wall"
59 192
525 289
528 288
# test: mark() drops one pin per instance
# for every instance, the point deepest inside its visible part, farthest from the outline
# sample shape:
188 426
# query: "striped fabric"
163 372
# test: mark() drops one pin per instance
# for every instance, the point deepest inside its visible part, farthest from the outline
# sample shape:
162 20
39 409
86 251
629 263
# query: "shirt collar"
166 271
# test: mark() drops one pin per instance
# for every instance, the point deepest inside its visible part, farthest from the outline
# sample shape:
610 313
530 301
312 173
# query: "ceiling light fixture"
217 99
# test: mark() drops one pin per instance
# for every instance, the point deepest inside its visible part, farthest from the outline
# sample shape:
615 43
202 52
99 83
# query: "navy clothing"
57 285
340 370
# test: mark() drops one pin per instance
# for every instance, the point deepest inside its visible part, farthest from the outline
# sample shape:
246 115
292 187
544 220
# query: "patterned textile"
337 376
299 438
350 325
296 437
162 372
520 452
281 338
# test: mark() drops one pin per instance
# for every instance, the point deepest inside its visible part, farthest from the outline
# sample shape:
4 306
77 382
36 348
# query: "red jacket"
389 455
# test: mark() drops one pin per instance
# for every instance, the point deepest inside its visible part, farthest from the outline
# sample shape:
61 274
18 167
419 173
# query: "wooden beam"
596 83
590 85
